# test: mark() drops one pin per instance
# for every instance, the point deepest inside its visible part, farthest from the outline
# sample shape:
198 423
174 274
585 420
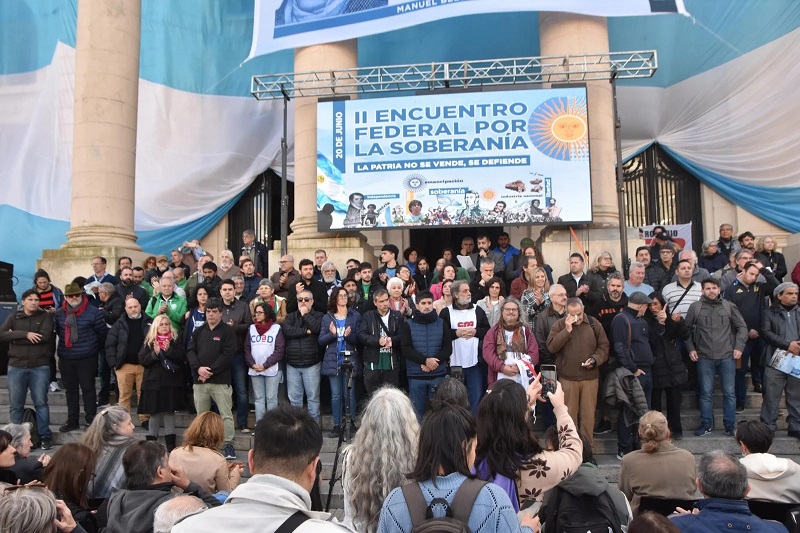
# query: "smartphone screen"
549 378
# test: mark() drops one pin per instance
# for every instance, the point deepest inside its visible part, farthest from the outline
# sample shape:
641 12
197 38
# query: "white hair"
394 281
172 510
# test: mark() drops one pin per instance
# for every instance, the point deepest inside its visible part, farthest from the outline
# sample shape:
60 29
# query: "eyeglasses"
260 313
304 299
72 296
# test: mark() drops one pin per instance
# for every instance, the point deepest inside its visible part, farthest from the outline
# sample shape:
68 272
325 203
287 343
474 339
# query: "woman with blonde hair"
602 267
536 297
199 458
163 390
659 468
109 436
383 452
766 252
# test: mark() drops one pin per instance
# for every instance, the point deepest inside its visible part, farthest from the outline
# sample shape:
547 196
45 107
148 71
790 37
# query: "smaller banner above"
282 24
681 234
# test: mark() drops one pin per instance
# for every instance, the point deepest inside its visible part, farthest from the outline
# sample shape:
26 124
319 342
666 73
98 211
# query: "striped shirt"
673 292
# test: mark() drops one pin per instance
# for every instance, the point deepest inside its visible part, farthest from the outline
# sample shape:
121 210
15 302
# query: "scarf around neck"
263 327
71 321
517 344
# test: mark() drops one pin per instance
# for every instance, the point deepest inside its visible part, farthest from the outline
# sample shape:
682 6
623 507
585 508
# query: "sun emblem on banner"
558 129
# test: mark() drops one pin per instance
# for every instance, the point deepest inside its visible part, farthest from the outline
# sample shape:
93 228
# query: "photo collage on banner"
467 159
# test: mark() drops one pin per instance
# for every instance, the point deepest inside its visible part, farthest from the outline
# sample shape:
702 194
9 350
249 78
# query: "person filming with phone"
579 346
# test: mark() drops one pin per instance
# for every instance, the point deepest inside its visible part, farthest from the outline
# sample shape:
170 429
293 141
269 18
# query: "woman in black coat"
669 371
163 390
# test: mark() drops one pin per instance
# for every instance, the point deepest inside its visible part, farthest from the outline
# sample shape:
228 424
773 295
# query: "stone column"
104 140
564 34
305 238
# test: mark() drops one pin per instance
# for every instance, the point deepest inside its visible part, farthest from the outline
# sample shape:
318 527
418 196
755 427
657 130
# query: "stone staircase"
605 446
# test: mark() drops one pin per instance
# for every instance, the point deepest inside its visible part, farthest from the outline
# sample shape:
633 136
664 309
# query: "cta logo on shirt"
466 324
216 339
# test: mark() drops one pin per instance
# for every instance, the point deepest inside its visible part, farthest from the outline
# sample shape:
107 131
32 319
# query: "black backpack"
456 519
29 417
568 513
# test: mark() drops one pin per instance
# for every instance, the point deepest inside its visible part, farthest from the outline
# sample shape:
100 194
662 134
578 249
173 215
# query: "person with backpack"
585 502
718 337
444 495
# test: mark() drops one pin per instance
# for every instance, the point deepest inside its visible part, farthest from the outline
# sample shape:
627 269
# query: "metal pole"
284 178
623 226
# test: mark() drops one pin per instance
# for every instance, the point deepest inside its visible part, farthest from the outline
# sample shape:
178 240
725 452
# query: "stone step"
606 445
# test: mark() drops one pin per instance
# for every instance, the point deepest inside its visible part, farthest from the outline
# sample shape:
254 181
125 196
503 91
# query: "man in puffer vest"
426 344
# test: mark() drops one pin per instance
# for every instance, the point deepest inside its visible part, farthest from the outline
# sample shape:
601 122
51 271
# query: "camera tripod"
346 427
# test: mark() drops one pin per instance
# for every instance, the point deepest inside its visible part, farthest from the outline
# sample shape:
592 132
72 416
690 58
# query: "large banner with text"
282 24
468 159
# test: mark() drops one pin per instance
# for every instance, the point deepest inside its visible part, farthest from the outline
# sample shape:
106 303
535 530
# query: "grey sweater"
717 328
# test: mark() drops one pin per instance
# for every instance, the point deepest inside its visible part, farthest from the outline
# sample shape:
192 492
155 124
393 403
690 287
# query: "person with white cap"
780 328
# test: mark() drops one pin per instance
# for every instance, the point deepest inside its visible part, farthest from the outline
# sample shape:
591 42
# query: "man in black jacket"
123 343
631 340
750 296
210 354
308 283
149 481
654 275
368 285
379 334
780 326
578 284
128 287
256 251
31 336
303 361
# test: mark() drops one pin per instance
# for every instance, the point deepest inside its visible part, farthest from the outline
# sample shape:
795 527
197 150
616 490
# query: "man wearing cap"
660 238
81 332
750 296
630 339
780 327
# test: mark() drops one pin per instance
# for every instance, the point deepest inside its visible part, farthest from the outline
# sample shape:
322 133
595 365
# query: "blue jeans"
726 368
752 353
421 390
265 390
304 380
625 434
36 379
473 380
239 383
338 387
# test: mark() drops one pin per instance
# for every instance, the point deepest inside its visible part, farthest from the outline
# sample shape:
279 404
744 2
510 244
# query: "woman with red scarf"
510 348
263 350
163 390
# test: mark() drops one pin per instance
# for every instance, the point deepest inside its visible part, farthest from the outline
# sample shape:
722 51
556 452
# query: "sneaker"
69 426
758 388
620 455
730 432
699 432
54 386
740 408
228 451
47 444
602 427
335 431
244 429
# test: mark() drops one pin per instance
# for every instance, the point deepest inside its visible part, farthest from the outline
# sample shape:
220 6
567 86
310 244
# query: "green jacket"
176 309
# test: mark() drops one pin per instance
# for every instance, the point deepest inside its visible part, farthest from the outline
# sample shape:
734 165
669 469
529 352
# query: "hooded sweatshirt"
772 478
131 511
260 505
589 481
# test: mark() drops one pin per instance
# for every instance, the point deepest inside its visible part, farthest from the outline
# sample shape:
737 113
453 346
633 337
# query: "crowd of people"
434 372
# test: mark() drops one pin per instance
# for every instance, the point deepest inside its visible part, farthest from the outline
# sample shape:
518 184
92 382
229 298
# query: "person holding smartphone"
579 346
